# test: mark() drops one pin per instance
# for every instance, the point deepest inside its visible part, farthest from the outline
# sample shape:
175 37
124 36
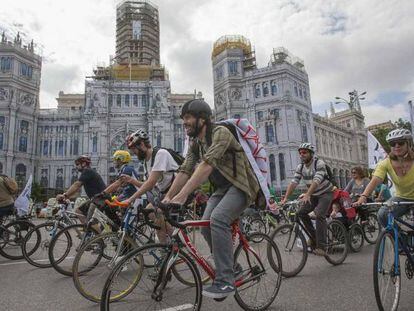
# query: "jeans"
223 208
320 206
398 211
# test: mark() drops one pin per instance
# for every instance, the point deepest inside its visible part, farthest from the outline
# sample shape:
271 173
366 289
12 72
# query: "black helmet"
196 107
83 159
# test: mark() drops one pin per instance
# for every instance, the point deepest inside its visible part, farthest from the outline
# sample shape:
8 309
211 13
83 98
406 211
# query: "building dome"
231 42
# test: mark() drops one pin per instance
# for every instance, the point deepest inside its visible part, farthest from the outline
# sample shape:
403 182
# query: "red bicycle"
169 275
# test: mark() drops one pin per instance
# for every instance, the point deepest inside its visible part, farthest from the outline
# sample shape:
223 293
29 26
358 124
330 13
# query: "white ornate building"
276 99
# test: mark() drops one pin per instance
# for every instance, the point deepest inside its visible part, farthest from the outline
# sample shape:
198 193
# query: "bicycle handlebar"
167 208
389 203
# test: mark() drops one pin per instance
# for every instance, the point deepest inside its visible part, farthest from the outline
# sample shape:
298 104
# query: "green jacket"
220 155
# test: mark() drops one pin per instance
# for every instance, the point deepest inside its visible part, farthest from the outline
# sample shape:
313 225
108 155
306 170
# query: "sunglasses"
353 172
399 143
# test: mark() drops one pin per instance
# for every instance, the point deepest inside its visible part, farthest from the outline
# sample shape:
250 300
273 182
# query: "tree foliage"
381 134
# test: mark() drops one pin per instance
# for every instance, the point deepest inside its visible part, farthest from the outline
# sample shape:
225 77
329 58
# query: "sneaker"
219 291
319 252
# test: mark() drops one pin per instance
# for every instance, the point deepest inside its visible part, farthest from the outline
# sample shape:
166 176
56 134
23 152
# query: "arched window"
110 100
74 176
282 166
20 175
135 100
257 91
159 139
272 166
59 178
127 100
273 86
2 129
44 180
1 168
24 131
95 143
118 100
265 89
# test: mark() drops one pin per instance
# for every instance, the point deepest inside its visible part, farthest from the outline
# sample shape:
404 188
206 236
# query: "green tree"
400 123
36 192
381 134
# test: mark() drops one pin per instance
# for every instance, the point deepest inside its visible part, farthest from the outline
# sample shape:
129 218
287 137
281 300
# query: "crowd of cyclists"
216 156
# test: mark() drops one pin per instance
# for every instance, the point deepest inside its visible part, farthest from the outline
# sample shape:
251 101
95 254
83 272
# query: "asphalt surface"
320 286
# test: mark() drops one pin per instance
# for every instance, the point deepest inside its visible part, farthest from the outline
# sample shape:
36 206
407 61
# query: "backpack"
329 175
176 156
11 184
248 139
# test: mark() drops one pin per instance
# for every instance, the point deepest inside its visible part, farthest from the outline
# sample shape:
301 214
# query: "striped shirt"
309 175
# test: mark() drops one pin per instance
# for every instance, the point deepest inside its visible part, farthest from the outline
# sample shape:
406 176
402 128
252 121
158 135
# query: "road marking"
23 262
177 308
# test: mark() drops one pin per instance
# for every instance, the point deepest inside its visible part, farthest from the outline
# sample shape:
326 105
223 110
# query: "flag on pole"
375 151
22 202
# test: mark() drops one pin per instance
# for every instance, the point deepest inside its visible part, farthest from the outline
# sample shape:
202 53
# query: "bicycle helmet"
197 108
136 137
122 155
307 146
83 159
399 134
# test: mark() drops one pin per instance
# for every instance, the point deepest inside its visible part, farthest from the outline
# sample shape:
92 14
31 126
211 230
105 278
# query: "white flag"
375 151
22 202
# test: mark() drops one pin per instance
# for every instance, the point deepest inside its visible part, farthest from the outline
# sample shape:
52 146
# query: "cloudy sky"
366 45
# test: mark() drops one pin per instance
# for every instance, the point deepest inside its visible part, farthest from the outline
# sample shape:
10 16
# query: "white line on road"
23 262
177 308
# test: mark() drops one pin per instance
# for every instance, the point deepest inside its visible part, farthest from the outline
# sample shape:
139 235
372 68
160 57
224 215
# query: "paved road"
319 286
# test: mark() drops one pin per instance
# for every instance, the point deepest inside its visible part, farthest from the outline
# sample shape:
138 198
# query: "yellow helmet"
122 155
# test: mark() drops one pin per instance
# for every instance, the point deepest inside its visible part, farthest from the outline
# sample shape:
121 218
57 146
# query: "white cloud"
377 114
346 45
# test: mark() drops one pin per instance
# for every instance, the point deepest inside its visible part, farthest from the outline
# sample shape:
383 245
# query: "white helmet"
136 138
307 146
399 134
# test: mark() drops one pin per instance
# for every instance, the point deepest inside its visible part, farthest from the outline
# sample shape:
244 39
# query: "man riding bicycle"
159 176
93 185
223 161
318 198
399 166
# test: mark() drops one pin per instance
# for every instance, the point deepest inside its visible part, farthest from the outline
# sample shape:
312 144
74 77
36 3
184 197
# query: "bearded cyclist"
318 198
399 167
223 161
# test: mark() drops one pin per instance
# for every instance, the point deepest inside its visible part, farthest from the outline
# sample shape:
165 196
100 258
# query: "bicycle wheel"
172 296
41 235
356 237
387 281
95 260
180 269
371 229
293 249
12 237
256 225
260 277
64 246
337 243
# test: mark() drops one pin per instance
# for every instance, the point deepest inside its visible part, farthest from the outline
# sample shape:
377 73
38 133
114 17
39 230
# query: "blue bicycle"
396 240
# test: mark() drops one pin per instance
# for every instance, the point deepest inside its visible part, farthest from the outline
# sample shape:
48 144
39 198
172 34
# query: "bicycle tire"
356 237
292 247
94 262
12 238
385 252
44 243
371 229
141 293
69 240
337 240
256 225
260 275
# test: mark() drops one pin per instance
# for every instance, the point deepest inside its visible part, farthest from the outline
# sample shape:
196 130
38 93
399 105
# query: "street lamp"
353 101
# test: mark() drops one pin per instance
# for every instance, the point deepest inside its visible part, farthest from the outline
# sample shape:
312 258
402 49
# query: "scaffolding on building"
281 55
236 42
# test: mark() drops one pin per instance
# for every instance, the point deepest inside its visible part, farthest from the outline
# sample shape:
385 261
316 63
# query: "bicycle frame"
393 226
180 235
